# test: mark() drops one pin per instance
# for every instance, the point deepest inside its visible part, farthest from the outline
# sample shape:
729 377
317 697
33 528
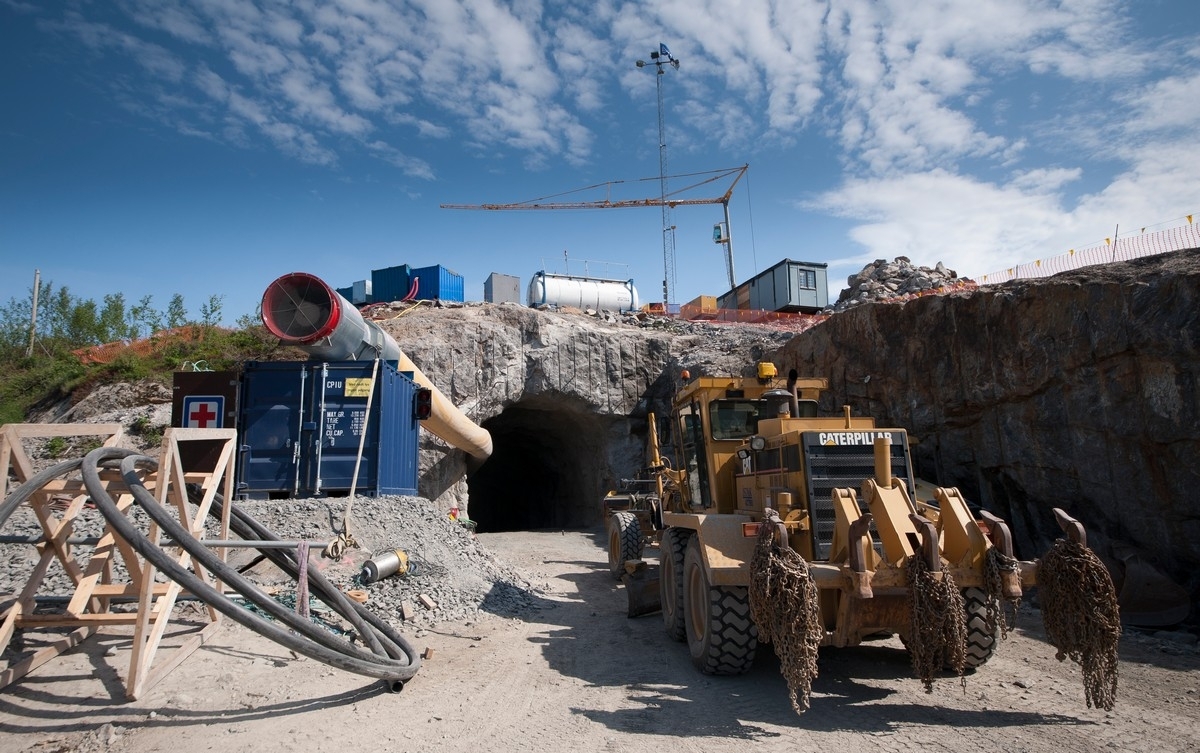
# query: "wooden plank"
65 430
144 647
8 627
135 690
6 462
22 668
15 457
101 558
58 530
87 618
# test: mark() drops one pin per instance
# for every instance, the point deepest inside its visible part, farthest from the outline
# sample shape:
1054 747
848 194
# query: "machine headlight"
758 443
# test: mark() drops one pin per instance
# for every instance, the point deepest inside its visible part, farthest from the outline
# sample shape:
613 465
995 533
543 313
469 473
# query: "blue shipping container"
391 283
438 283
302 424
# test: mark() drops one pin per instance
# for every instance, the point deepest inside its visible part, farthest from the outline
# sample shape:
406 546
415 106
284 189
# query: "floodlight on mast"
659 59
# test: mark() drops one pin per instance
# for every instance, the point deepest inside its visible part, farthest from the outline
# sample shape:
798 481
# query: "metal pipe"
213 543
793 396
883 462
299 435
301 309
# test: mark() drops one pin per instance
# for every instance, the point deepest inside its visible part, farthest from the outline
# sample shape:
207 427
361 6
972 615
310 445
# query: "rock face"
1079 391
565 396
882 280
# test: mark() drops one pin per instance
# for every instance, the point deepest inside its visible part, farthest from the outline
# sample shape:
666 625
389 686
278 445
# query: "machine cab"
714 418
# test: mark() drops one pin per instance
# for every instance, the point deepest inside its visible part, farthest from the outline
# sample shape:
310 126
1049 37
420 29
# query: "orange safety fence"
799 322
1111 250
108 352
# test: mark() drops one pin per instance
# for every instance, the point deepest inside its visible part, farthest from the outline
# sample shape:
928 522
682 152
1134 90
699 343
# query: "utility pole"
659 59
37 284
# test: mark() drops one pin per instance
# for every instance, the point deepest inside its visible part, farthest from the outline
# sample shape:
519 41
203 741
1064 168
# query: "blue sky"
153 147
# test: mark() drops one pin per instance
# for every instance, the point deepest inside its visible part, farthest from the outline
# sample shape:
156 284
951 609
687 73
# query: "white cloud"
966 128
972 226
1165 105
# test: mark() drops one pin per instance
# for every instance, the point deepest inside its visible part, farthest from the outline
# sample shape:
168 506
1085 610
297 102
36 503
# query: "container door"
271 413
340 405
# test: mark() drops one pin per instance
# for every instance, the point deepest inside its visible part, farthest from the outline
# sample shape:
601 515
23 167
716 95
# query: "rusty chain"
996 563
937 634
783 603
1082 620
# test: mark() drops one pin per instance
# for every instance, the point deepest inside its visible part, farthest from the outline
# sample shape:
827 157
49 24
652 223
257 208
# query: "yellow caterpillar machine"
780 525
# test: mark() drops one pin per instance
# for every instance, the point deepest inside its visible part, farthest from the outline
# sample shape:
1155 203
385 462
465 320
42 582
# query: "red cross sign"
203 411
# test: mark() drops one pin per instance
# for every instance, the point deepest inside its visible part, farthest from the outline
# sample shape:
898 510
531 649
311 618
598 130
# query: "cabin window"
733 419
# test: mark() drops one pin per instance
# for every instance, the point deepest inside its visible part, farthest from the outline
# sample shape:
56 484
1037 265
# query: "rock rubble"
460 577
882 280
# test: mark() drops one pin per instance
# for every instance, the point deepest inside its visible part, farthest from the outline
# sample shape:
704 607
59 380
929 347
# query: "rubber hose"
246 527
312 644
205 556
35 482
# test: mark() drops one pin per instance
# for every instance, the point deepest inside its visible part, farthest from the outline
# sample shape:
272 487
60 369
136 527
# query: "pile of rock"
451 577
882 280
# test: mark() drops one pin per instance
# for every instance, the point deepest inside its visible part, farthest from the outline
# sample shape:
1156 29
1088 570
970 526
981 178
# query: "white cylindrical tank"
582 292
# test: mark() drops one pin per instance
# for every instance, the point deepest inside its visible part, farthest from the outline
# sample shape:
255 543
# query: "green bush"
56 447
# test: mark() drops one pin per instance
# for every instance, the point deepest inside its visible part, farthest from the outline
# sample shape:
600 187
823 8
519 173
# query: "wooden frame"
94 588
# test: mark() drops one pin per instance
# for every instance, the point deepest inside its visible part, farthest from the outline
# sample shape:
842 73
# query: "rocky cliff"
1078 391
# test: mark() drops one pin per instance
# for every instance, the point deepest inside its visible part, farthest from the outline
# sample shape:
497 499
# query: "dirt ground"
578 674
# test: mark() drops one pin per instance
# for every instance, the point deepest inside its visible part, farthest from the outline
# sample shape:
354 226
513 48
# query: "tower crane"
671 200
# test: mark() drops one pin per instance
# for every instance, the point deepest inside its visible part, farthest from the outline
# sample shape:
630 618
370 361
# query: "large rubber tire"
720 634
980 641
670 580
624 541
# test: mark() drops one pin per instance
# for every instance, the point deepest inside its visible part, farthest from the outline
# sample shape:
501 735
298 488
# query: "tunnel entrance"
548 469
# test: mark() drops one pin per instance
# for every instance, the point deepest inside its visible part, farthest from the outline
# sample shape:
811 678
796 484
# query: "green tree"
83 324
14 323
145 320
176 313
56 310
210 311
112 323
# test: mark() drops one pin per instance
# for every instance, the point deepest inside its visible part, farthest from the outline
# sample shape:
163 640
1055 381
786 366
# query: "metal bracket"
1073 528
929 542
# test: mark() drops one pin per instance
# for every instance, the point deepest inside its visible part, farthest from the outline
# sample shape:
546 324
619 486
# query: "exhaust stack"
301 309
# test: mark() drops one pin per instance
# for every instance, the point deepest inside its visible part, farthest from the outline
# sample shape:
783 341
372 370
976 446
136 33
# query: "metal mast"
662 57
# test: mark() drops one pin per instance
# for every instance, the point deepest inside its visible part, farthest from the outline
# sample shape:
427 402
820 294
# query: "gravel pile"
459 579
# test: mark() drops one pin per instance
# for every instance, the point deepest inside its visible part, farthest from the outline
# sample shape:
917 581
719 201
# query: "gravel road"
573 671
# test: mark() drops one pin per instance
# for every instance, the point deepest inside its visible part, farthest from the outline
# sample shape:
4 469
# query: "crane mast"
668 229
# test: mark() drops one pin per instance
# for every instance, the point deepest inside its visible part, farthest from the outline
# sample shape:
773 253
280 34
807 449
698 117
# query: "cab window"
733 419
